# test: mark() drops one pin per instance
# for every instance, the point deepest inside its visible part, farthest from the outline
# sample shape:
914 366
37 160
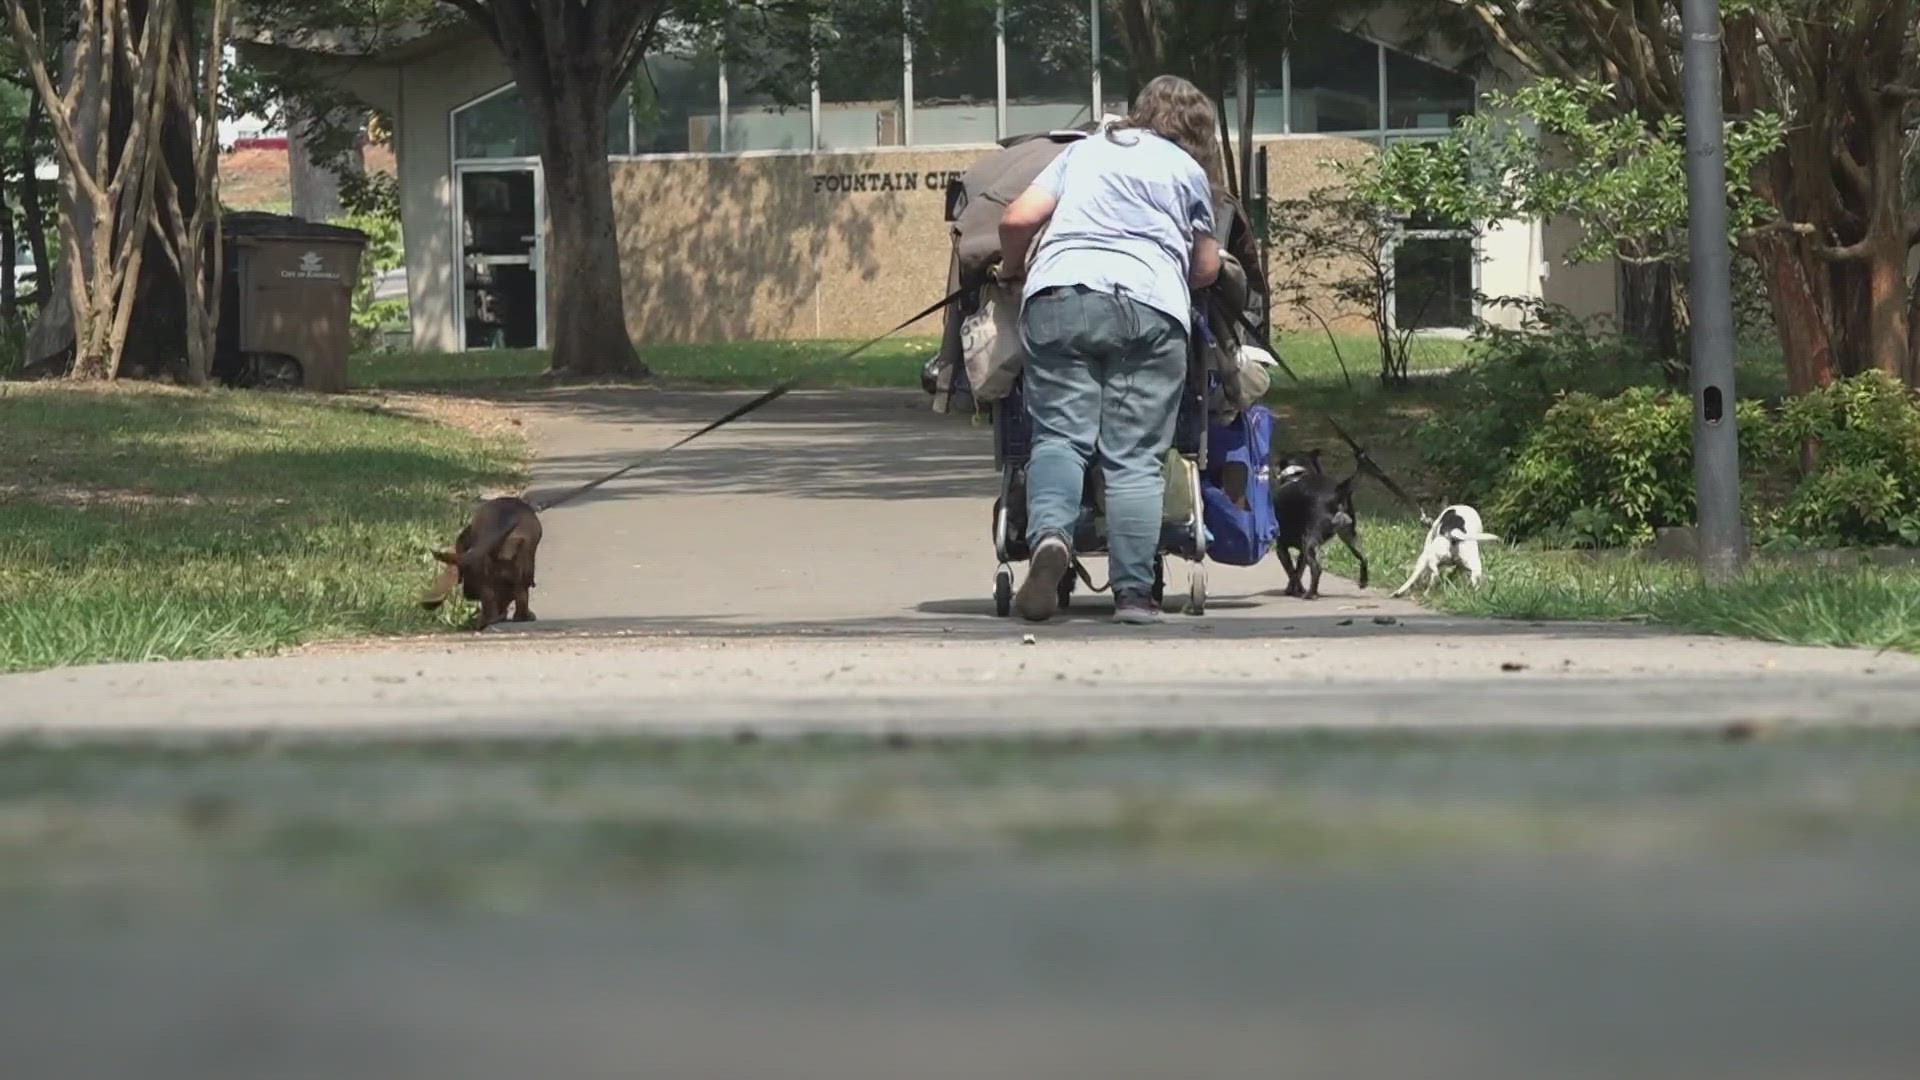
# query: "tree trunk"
188 222
315 182
569 60
1799 314
1227 164
314 187
1851 314
1649 313
1248 100
157 334
1888 301
9 288
583 253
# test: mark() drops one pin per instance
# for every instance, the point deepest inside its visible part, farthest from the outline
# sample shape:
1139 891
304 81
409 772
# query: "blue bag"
1237 489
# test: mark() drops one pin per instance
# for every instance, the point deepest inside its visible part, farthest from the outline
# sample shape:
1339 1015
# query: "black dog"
1313 509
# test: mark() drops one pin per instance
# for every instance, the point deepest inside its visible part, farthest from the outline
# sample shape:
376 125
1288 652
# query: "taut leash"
1360 456
756 404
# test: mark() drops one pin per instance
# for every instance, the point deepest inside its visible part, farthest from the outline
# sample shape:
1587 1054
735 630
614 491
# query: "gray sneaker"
1039 597
1135 609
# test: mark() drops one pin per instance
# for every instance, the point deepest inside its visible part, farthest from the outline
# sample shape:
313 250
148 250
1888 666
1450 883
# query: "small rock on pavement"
1029 639
1513 666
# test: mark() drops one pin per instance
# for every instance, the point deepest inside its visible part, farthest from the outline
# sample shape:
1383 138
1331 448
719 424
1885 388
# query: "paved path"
826 564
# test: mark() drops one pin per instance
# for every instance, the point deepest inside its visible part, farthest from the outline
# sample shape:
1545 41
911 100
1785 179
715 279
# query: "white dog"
1453 540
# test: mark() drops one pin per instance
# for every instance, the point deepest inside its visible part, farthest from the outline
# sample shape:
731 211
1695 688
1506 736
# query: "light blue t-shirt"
1130 207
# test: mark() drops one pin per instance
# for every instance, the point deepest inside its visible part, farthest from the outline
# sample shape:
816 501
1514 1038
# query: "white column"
1286 91
1000 66
1381 52
726 106
906 77
1099 90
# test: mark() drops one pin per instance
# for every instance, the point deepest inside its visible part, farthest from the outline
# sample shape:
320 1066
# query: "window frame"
1380 134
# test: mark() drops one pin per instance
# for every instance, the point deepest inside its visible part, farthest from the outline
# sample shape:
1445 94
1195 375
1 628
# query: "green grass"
893 363
1867 607
145 523
896 362
1876 608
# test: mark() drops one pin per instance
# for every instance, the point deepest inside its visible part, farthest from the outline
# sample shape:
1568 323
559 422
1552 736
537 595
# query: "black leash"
756 404
1360 456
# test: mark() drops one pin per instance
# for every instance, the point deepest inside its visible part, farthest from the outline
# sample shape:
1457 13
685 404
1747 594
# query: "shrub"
1606 472
385 251
1865 488
1515 376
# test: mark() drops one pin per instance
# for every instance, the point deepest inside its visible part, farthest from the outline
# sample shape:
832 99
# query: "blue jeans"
1103 378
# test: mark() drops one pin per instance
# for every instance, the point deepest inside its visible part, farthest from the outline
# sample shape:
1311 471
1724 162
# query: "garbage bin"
286 309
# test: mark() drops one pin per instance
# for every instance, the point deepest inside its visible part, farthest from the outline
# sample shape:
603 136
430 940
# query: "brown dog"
492 562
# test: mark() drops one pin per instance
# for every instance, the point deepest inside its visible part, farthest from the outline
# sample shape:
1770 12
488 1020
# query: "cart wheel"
271 371
1003 593
1159 580
1066 590
1197 590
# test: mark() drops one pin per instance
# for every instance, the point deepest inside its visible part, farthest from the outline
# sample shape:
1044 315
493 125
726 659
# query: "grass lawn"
896 362
145 523
746 365
1868 607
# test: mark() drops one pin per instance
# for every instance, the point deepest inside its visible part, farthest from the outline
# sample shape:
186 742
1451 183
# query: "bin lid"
286 227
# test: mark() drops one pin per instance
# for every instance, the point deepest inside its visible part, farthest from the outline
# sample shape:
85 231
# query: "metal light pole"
1243 89
1716 448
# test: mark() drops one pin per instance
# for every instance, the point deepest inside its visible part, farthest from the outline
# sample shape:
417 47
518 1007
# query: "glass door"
503 295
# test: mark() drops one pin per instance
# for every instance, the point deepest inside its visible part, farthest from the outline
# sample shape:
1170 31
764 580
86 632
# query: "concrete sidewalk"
826 564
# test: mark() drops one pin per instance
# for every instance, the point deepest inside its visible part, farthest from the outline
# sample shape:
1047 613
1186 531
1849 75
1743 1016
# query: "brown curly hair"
1177 110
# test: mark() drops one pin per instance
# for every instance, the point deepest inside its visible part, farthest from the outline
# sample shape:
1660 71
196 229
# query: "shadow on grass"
152 524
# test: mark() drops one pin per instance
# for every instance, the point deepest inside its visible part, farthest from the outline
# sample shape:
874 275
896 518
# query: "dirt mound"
258 179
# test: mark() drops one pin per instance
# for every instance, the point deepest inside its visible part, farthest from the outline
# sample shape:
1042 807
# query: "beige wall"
847 245
783 245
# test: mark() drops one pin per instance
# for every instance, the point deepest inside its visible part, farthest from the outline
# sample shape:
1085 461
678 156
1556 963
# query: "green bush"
385 251
1865 488
1513 378
1607 472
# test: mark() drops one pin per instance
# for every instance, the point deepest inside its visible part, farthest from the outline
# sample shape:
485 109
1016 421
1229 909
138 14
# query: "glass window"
1269 109
862 65
1049 65
767 80
759 122
1425 96
1433 283
1271 27
676 106
499 127
956 82
496 127
620 125
1336 84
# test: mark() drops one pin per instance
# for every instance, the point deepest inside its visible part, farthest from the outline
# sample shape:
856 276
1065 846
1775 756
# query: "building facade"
743 218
